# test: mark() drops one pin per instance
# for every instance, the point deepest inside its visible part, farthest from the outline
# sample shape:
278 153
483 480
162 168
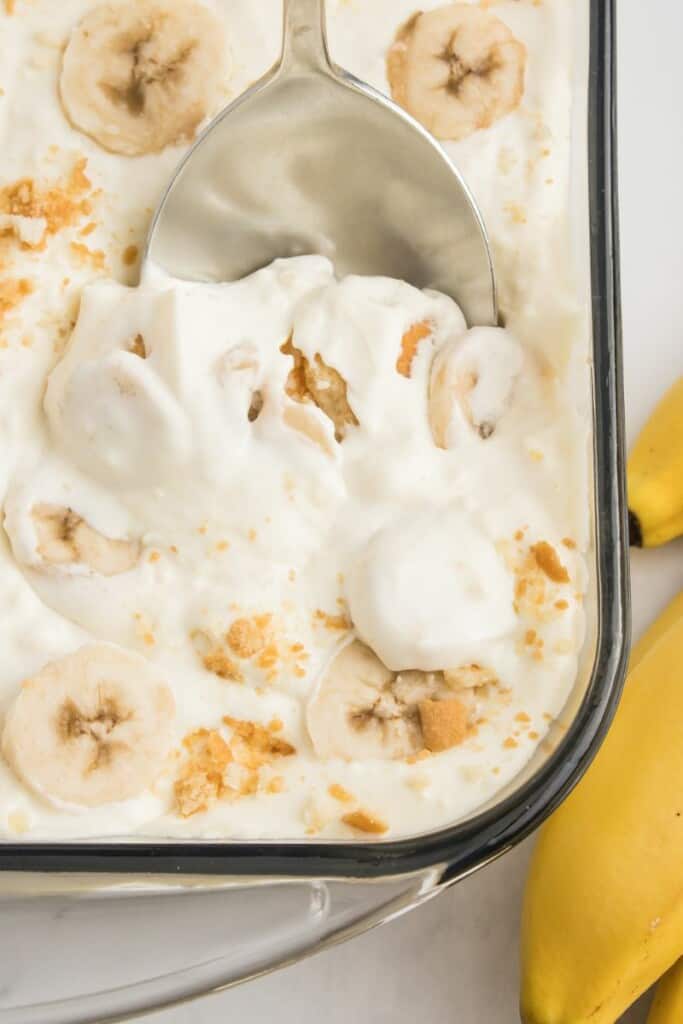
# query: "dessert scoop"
311 160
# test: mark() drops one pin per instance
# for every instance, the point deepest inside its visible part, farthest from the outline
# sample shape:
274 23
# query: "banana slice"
109 411
65 538
457 69
92 728
137 77
473 379
361 710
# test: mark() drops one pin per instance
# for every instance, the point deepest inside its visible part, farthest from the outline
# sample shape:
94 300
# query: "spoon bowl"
312 160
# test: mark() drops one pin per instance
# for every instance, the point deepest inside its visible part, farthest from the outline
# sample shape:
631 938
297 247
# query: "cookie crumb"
245 638
331 621
548 561
201 780
362 821
444 723
339 793
421 755
84 256
218 662
13 291
410 343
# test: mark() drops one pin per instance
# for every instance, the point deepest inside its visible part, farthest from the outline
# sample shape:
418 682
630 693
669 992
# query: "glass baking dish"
247 907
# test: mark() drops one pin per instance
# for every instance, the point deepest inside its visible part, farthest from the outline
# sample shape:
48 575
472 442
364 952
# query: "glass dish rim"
465 846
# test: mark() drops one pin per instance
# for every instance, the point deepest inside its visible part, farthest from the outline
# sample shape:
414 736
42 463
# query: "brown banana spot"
145 72
137 347
255 406
65 538
73 724
459 70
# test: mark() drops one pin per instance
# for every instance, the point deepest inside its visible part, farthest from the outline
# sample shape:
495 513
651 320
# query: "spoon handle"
304 41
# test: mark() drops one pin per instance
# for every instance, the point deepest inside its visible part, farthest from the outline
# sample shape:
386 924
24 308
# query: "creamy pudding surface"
295 555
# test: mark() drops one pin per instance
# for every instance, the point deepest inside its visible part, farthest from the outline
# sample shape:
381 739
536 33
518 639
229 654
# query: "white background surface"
455 960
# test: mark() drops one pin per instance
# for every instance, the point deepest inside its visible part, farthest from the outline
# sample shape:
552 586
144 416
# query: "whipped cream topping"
431 591
441 517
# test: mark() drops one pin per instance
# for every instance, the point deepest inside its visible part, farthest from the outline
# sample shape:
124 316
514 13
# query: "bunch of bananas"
603 908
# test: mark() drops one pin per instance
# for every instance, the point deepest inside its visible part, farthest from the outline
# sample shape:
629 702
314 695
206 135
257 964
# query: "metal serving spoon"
312 160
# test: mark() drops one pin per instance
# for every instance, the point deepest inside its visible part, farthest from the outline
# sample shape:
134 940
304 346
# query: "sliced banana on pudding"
92 728
361 710
456 69
472 380
117 417
64 538
137 77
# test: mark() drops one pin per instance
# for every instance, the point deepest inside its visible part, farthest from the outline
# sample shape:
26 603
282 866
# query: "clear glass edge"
427 863
467 845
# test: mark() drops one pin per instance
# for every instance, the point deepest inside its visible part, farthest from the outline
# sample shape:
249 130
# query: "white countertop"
455 959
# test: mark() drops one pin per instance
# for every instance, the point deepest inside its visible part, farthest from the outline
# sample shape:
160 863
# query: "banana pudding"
294 555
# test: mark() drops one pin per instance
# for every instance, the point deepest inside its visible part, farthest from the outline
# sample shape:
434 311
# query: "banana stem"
304 40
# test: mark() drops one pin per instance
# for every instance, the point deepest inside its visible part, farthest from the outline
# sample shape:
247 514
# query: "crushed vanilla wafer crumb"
445 723
547 560
339 793
363 821
410 343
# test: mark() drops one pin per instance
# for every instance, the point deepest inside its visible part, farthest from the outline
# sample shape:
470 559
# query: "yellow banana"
655 474
603 913
671 614
667 1007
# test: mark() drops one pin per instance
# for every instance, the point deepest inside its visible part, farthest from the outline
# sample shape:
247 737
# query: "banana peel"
671 614
603 909
667 1007
655 474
